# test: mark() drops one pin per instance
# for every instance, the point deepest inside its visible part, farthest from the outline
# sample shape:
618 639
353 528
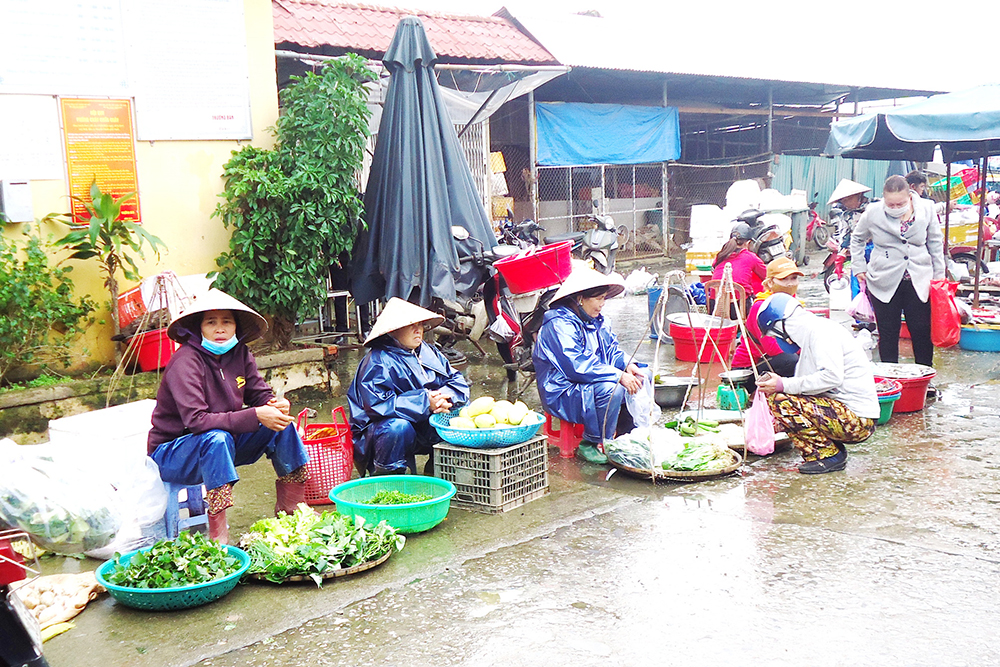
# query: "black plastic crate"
494 480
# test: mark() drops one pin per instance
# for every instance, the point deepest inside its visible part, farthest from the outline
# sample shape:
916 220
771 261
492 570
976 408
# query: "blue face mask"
218 348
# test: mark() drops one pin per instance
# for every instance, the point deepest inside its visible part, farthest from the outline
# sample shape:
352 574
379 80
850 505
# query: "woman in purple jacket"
215 412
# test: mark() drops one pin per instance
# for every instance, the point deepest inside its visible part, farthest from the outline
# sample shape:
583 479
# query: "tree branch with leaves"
294 208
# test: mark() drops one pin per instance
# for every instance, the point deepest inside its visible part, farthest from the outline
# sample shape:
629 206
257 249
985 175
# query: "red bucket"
154 349
536 268
914 379
688 339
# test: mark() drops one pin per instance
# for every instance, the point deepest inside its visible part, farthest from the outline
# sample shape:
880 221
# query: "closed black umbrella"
419 186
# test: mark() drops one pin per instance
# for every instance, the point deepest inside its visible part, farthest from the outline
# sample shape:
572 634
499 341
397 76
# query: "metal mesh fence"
692 184
568 197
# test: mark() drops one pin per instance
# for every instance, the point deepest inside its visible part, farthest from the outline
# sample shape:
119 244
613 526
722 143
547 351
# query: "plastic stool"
564 435
194 503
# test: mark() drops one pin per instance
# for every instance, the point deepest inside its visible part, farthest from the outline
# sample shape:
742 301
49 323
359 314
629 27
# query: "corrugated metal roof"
665 40
368 29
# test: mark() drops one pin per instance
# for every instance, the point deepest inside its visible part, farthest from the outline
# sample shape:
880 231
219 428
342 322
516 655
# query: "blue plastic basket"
406 518
482 438
181 597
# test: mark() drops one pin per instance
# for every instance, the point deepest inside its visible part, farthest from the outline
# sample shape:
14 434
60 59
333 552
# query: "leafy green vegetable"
700 455
397 498
310 544
189 559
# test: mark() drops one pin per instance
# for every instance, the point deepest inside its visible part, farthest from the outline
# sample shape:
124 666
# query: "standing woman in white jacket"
908 253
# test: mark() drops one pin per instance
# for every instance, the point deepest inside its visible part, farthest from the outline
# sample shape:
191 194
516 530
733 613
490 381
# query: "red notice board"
100 143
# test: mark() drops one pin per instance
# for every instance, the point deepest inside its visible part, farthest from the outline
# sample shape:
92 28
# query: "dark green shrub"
295 207
39 318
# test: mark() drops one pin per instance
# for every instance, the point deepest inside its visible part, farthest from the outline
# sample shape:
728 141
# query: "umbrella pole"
979 235
947 209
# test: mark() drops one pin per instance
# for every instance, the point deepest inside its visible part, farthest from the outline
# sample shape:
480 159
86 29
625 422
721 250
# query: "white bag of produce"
59 498
143 499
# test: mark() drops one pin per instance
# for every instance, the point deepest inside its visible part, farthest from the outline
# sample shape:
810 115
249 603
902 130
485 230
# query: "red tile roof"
330 27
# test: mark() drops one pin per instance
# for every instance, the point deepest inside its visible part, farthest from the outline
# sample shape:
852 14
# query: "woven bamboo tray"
344 572
683 475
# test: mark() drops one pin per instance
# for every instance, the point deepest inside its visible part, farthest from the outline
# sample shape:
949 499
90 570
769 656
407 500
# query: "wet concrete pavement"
896 560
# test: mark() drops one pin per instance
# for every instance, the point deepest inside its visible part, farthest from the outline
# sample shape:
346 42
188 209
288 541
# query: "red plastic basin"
688 339
913 395
154 349
536 268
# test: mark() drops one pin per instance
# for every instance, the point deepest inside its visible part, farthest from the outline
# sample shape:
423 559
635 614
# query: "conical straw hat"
583 279
251 324
846 188
398 314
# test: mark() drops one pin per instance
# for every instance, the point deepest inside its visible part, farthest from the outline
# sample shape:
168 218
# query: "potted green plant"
104 235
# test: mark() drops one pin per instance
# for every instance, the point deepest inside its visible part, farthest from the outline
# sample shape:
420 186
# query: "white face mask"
897 212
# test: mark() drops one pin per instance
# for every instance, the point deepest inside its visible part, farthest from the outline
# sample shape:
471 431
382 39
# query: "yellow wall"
179 187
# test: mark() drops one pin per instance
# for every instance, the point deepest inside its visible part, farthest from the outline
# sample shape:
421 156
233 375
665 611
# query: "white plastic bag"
143 499
639 281
63 503
641 405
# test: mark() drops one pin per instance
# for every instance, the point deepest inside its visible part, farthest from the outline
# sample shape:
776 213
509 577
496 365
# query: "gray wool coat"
920 250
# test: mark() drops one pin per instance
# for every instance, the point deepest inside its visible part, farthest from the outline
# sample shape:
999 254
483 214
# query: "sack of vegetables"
54 500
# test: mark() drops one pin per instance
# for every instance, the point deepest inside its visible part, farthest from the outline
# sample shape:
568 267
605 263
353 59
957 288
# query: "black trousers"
918 320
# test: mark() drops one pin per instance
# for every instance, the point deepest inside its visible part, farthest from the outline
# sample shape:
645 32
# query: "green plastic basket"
406 518
181 597
497 436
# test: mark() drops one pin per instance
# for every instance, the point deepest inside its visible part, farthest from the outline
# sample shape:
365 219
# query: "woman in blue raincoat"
399 384
581 372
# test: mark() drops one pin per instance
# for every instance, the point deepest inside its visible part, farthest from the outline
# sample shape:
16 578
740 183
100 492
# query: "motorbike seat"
570 236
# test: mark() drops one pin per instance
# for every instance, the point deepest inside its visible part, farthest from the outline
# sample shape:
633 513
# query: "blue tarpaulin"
571 134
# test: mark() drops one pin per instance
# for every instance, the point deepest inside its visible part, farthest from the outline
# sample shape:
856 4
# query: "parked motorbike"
523 234
599 245
818 230
839 245
835 263
766 241
21 644
966 254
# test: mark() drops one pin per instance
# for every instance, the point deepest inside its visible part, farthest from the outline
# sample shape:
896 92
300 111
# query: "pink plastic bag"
861 308
759 427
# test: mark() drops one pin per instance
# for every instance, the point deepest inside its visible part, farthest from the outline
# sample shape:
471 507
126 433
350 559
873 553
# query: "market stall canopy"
419 185
965 124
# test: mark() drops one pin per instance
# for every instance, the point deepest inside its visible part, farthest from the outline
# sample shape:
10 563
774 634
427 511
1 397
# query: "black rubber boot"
830 464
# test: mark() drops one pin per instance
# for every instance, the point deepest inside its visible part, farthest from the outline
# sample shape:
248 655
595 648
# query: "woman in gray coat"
908 253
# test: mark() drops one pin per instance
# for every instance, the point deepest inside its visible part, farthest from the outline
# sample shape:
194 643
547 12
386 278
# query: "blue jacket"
394 382
570 355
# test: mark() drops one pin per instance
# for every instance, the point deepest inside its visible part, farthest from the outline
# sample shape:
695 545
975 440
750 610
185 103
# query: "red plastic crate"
331 458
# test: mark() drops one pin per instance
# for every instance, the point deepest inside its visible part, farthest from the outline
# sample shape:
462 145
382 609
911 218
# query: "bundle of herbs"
187 560
311 545
397 498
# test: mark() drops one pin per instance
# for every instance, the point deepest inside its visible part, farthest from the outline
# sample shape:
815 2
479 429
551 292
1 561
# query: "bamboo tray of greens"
681 451
306 546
